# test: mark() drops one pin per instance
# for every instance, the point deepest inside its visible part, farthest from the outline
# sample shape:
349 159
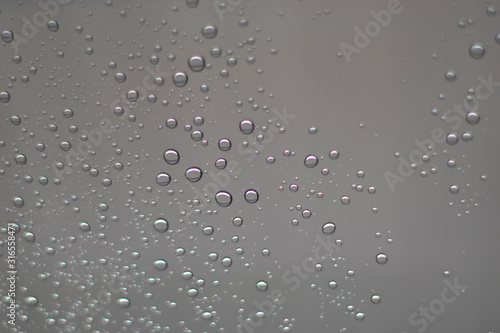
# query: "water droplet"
310 161
306 213
246 126
7 36
454 189
223 198
21 159
467 136
192 3
196 63
160 264
4 97
452 138
237 221
207 231
171 156
450 76
193 174
360 316
84 226
160 225
381 258
345 200
224 144
332 284
375 299
261 285
31 301
209 31
180 79
132 95
220 163
123 302
192 292
251 196
472 117
18 202
477 50
226 262
206 315
163 179
53 25
334 154
171 123
328 228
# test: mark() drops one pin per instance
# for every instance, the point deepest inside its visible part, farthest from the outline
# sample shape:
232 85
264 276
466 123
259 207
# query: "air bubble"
472 118
123 302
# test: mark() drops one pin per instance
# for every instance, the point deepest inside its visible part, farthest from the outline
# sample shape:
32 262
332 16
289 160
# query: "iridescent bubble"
477 50
223 198
328 228
381 258
246 126
171 156
196 63
251 196
310 161
193 174
163 179
180 79
160 225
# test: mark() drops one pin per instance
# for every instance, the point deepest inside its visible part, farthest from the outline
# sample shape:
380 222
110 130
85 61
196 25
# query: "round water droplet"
345 200
224 144
196 63
53 25
450 76
163 179
206 315
452 138
310 161
375 299
223 198
209 31
334 154
454 189
192 3
132 95
306 213
192 292
160 225
171 123
207 231
180 79
220 163
193 174
31 301
472 117
123 302
261 285
226 262
246 126
4 97
21 159
7 36
237 221
84 226
477 50
360 316
18 202
332 284
328 228
171 156
467 136
160 264
381 258
251 196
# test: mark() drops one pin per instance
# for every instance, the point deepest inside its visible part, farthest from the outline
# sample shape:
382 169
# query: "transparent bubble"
7 36
84 226
4 97
192 3
345 200
160 264
334 154
132 95
123 302
31 301
220 163
360 316
192 292
332 284
450 76
452 139
161 225
226 262
21 159
224 144
454 189
207 231
237 221
171 123
375 299
472 117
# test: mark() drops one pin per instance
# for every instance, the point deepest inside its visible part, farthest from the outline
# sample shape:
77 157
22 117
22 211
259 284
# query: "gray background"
390 87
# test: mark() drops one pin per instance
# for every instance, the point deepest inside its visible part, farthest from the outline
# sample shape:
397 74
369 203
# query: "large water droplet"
246 126
477 50
311 161
171 156
163 179
381 258
160 264
223 198
160 225
251 196
196 63
261 285
328 228
193 174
